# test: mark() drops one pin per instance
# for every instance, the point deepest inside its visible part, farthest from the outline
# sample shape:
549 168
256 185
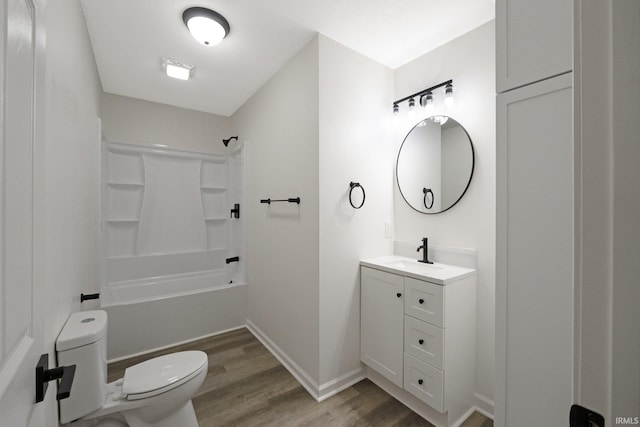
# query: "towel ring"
353 185
424 201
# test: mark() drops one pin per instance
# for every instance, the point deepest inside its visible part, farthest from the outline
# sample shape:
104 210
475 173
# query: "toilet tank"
83 342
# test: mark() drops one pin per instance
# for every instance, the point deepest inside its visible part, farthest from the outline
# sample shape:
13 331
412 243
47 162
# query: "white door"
534 254
21 326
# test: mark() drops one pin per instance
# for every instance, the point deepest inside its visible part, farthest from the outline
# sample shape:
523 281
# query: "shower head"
228 140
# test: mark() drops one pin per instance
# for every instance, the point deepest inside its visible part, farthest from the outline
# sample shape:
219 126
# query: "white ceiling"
129 38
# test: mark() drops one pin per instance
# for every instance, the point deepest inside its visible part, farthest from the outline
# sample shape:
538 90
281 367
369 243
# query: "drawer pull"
398 294
420 342
421 301
420 382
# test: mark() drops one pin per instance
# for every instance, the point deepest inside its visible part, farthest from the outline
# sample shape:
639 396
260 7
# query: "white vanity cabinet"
420 336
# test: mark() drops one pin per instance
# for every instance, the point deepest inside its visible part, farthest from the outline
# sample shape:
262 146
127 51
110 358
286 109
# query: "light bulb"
396 114
427 102
412 108
448 95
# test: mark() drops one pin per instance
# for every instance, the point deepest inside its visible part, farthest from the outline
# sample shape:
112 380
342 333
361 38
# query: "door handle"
43 375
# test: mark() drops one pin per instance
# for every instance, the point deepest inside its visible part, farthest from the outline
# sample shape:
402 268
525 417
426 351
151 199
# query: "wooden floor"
247 386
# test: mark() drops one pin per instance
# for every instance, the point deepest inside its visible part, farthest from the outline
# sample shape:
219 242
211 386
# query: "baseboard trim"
484 405
318 392
298 373
340 383
142 353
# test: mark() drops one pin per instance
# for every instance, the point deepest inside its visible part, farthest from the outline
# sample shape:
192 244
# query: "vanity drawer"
424 341
424 301
424 381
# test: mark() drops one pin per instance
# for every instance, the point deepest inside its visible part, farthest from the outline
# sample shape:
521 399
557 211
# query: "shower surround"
167 232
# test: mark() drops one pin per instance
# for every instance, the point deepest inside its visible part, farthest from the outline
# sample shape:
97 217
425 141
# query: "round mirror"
435 164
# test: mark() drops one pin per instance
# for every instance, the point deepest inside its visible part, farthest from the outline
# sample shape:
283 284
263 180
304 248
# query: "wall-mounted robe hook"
228 140
353 185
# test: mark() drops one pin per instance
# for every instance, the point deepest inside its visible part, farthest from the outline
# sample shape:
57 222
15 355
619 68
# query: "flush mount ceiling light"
205 25
176 69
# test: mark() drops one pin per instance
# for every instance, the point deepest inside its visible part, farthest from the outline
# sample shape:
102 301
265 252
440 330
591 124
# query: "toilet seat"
161 374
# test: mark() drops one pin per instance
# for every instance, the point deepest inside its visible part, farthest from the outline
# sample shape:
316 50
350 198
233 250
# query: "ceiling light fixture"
426 98
176 69
205 25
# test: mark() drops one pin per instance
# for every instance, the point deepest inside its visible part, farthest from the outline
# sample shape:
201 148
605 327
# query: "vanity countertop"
441 274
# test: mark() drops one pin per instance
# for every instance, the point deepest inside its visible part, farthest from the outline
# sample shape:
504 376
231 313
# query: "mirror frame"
473 165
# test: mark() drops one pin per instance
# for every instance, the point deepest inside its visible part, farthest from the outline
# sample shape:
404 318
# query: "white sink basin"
440 274
415 266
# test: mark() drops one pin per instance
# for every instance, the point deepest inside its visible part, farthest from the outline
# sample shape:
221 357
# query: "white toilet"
155 393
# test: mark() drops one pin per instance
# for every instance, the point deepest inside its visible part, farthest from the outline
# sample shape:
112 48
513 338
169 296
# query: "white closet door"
535 242
534 41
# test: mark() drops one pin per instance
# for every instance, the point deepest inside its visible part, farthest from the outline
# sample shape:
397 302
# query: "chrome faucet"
425 248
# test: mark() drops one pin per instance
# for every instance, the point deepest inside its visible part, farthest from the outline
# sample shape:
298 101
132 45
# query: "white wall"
625 19
279 127
70 167
135 121
594 201
470 61
355 145
607 363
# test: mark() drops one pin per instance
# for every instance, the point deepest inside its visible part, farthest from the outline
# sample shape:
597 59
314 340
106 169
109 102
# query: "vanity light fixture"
426 98
176 69
206 26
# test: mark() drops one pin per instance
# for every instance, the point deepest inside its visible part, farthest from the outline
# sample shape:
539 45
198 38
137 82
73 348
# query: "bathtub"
148 315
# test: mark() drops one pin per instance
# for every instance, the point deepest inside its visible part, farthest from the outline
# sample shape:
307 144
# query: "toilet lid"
162 374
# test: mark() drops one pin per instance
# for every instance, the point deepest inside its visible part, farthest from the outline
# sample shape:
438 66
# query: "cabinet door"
534 41
534 257
381 323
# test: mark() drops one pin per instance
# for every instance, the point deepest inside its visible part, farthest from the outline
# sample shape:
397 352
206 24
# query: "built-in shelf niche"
215 201
213 174
122 199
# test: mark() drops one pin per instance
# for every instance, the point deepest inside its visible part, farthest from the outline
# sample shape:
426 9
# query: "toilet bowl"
155 393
